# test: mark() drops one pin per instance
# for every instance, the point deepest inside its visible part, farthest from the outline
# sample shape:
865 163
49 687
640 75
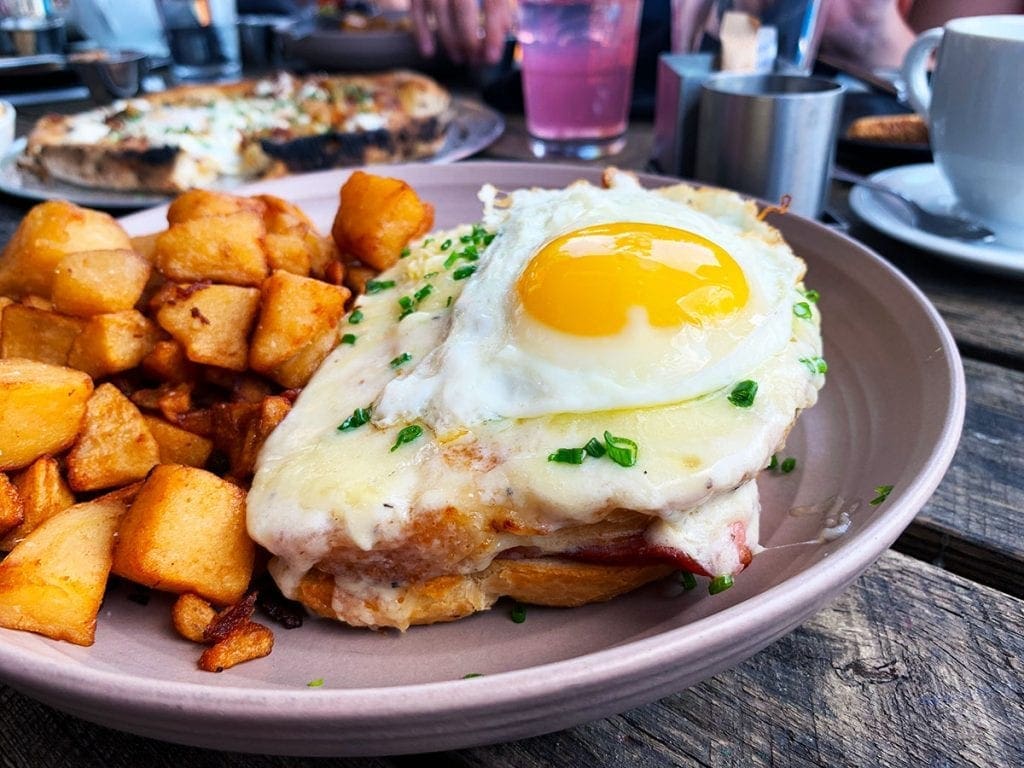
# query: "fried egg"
599 299
672 322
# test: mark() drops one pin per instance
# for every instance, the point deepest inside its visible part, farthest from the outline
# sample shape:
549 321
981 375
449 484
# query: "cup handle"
914 71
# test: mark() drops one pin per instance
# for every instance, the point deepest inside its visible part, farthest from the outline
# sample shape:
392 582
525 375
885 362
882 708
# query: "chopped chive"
376 286
466 239
359 417
349 338
774 462
720 584
402 359
518 613
432 274
815 364
446 244
427 242
567 456
315 683
802 310
881 494
621 450
743 394
449 302
595 448
687 580
407 435
405 253
788 465
356 317
470 675
406 305
423 292
489 237
463 272
812 295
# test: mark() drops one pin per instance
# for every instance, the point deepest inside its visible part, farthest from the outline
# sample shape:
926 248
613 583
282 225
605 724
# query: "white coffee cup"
975 112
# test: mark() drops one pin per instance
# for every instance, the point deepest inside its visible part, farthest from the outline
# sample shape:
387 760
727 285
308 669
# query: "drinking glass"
203 38
578 60
798 26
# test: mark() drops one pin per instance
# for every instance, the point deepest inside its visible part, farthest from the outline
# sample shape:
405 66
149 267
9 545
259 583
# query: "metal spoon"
941 224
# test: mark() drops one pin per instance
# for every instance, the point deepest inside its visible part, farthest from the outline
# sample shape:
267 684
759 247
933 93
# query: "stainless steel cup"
769 136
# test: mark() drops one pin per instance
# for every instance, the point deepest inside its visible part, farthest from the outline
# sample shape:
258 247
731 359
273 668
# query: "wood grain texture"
911 666
974 524
983 310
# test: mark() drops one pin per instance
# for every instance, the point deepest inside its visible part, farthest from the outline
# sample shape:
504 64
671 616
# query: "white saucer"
925 185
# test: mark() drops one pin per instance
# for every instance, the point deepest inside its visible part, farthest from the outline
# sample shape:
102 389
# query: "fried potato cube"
178 446
240 429
12 509
49 232
289 252
41 409
245 643
377 217
295 312
112 343
53 581
186 533
224 249
191 615
325 264
114 447
90 283
212 322
168 362
170 399
43 494
356 277
37 302
38 334
293 242
145 246
204 203
297 370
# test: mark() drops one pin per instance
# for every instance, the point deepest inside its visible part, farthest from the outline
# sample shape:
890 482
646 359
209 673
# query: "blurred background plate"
474 127
16 181
323 43
869 156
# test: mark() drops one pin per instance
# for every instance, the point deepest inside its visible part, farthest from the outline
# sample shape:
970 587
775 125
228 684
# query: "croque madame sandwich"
559 404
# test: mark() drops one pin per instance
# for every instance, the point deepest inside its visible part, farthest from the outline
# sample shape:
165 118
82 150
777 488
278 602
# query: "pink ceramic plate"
890 414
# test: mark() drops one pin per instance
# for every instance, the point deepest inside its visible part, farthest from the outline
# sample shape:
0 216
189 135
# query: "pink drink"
578 60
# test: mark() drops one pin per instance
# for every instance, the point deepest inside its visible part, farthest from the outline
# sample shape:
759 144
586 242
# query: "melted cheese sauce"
317 488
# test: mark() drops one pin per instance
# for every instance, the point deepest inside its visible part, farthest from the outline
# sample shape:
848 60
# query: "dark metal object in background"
23 36
261 40
110 75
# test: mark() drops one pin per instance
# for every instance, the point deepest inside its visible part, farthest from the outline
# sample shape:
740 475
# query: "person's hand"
470 32
873 33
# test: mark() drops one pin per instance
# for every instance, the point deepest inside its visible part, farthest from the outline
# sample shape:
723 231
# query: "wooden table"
919 663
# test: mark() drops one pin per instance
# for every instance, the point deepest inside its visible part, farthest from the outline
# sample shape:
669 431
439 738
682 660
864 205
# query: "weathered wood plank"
974 524
911 666
982 310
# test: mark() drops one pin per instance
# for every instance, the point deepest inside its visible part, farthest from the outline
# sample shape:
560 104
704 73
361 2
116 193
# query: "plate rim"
864 203
630 661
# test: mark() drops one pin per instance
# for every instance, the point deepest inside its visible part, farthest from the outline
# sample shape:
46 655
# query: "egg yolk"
585 282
